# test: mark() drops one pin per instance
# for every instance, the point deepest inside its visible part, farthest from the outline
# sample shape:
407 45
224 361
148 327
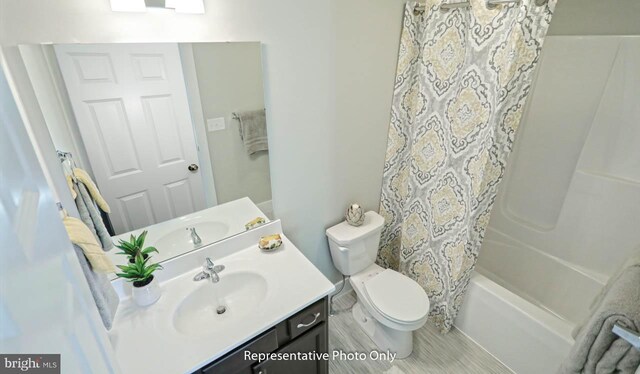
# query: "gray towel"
103 292
597 349
253 130
90 215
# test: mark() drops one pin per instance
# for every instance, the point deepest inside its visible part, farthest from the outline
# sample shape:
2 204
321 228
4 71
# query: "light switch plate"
215 124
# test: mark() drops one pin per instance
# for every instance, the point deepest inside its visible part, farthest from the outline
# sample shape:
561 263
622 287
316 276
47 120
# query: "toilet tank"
353 249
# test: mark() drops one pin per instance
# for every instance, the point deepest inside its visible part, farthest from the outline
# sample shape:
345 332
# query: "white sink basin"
179 239
240 293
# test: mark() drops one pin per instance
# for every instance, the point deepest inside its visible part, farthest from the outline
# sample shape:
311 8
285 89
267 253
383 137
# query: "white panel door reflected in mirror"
131 107
173 134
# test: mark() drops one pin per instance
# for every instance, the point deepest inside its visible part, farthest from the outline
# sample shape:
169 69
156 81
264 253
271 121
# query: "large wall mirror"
172 134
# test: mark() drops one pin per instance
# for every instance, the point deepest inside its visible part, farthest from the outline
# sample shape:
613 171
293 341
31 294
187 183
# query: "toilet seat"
397 297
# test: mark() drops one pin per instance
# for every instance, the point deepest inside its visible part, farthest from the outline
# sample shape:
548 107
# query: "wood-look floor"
433 352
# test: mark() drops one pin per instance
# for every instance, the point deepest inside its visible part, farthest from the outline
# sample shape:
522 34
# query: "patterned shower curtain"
462 80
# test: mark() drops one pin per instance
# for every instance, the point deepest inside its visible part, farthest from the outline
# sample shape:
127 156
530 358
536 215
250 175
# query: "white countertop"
145 340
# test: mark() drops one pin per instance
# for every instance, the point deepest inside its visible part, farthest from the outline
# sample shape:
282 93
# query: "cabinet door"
235 363
314 340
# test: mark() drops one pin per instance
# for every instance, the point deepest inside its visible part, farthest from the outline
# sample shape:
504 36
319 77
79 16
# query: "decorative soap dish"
270 242
258 221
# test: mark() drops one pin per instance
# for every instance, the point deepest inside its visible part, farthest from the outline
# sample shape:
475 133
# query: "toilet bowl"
390 306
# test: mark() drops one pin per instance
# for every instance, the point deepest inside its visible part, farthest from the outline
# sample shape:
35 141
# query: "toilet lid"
398 297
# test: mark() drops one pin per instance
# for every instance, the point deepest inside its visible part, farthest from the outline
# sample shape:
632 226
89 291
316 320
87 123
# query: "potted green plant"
134 246
146 290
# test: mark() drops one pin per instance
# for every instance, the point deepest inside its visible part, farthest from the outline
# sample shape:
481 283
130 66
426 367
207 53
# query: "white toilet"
390 305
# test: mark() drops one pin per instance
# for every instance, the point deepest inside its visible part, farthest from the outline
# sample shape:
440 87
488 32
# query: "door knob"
193 168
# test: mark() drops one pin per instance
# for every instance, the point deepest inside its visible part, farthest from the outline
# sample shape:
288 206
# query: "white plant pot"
148 294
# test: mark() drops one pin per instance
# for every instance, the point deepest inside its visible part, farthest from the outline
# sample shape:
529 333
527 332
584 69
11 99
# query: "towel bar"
631 336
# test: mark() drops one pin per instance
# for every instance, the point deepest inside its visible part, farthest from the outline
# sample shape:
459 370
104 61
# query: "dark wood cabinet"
305 332
235 362
313 341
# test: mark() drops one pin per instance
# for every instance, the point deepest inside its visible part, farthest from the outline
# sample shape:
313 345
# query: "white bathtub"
524 337
567 212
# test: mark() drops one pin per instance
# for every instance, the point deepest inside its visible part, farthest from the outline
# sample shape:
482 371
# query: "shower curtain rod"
466 4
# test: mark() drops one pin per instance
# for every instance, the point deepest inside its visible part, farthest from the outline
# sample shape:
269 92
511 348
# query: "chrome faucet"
195 238
209 271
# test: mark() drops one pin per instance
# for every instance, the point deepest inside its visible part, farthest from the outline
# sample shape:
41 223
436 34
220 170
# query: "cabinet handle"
315 318
262 371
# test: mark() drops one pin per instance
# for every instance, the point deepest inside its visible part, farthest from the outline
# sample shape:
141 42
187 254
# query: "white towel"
597 350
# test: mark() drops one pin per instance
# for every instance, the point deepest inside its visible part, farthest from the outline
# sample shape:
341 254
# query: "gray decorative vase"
354 215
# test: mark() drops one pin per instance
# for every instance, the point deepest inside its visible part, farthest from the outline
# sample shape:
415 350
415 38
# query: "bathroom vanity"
146 128
274 302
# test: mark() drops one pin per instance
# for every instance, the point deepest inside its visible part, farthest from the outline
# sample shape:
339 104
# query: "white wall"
596 17
46 78
52 311
230 80
329 69
37 128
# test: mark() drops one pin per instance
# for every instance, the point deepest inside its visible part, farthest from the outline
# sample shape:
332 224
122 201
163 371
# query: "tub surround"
576 287
566 216
159 338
